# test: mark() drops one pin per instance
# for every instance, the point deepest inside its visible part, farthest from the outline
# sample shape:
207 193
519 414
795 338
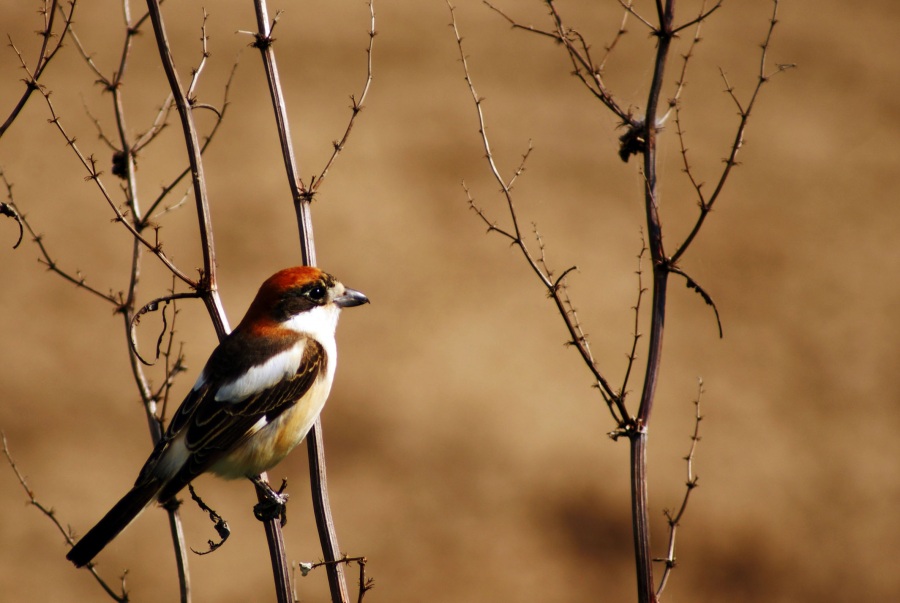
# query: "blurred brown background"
467 451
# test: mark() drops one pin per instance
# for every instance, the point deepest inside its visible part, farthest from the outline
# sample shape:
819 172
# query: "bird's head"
303 299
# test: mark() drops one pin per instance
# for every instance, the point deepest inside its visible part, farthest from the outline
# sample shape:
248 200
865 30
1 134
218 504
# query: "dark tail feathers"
118 518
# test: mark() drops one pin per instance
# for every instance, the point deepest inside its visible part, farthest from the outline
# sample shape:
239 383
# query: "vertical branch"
124 168
263 42
638 438
640 138
208 284
126 153
300 196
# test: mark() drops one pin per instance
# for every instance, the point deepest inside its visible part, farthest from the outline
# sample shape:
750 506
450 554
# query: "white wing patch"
277 368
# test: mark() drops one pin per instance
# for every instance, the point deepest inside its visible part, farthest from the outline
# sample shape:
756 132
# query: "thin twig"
601 65
364 584
704 14
9 209
263 41
636 332
674 520
90 165
583 65
166 190
685 61
515 234
355 105
208 285
195 73
50 513
153 306
629 8
77 279
744 112
45 55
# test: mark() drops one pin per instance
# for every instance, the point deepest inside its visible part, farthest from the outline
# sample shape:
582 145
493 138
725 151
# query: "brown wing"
213 428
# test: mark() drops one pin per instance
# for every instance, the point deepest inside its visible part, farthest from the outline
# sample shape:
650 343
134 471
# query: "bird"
255 400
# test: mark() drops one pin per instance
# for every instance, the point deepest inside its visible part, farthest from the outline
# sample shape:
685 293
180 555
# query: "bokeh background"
467 452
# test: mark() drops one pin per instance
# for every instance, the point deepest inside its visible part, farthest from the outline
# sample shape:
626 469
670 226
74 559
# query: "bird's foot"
275 503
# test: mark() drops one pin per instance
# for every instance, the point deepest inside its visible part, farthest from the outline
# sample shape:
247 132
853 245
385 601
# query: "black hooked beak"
350 298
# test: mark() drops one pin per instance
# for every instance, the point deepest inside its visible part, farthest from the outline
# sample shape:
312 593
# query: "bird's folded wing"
215 427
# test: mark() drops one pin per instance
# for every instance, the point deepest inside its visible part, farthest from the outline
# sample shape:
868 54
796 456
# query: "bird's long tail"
118 518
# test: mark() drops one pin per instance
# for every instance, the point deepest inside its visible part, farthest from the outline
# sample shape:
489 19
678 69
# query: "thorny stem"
364 583
208 284
120 597
731 161
638 437
515 236
298 193
636 335
641 138
44 56
355 107
90 165
690 486
280 566
302 198
125 169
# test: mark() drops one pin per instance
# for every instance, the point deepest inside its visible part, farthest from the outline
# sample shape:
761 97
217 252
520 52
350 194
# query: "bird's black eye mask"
303 298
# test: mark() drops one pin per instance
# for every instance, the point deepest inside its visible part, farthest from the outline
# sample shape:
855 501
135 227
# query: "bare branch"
704 14
744 112
195 74
554 289
629 8
365 584
166 190
153 306
636 333
674 520
263 42
45 55
50 513
208 284
692 284
601 65
698 186
301 198
77 279
89 165
159 123
9 209
640 138
356 105
583 65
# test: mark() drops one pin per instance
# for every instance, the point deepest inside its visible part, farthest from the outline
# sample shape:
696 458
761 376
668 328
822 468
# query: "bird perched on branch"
255 400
